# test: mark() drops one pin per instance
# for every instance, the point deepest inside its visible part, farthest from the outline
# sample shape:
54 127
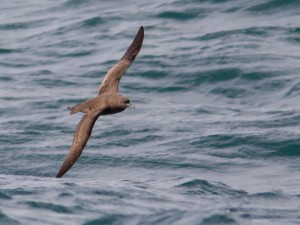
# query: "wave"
203 187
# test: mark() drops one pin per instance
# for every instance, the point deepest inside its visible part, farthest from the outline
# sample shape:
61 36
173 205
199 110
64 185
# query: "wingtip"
59 174
139 37
141 30
135 46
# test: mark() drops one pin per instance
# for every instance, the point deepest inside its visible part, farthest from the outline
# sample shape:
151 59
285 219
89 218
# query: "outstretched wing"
111 80
81 137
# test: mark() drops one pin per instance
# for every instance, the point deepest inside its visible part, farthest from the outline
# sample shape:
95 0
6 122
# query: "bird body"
105 104
108 101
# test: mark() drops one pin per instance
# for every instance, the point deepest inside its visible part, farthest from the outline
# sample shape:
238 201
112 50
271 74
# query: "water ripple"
214 136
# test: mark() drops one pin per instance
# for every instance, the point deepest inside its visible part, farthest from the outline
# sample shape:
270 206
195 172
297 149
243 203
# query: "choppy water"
214 138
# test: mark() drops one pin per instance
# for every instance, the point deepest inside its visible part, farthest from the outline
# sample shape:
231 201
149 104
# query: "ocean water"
215 134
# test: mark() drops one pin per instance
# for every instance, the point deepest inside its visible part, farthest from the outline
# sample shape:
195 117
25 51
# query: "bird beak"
129 106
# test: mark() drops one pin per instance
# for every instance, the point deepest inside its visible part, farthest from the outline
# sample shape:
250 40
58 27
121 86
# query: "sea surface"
215 134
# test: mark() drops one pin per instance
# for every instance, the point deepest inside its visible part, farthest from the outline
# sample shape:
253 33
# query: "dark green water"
214 137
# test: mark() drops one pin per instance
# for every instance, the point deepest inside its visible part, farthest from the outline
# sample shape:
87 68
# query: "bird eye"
125 101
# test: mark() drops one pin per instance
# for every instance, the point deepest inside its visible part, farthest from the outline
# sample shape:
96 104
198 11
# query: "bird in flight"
108 101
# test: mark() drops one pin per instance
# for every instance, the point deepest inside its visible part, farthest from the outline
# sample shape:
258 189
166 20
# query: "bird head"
126 102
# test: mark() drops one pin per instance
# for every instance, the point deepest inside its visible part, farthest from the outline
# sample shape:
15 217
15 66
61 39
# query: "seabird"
108 101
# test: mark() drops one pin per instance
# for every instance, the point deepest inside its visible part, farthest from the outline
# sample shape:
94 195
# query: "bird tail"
72 110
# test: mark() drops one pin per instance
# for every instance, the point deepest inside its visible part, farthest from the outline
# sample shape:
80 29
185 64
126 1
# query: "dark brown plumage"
107 102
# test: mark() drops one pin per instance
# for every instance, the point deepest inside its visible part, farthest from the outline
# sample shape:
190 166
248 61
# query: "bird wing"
111 80
81 137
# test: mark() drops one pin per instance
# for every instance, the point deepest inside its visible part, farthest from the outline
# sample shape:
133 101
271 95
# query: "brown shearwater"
108 101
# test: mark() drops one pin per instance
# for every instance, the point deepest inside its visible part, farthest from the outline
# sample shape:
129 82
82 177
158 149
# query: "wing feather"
111 80
81 137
